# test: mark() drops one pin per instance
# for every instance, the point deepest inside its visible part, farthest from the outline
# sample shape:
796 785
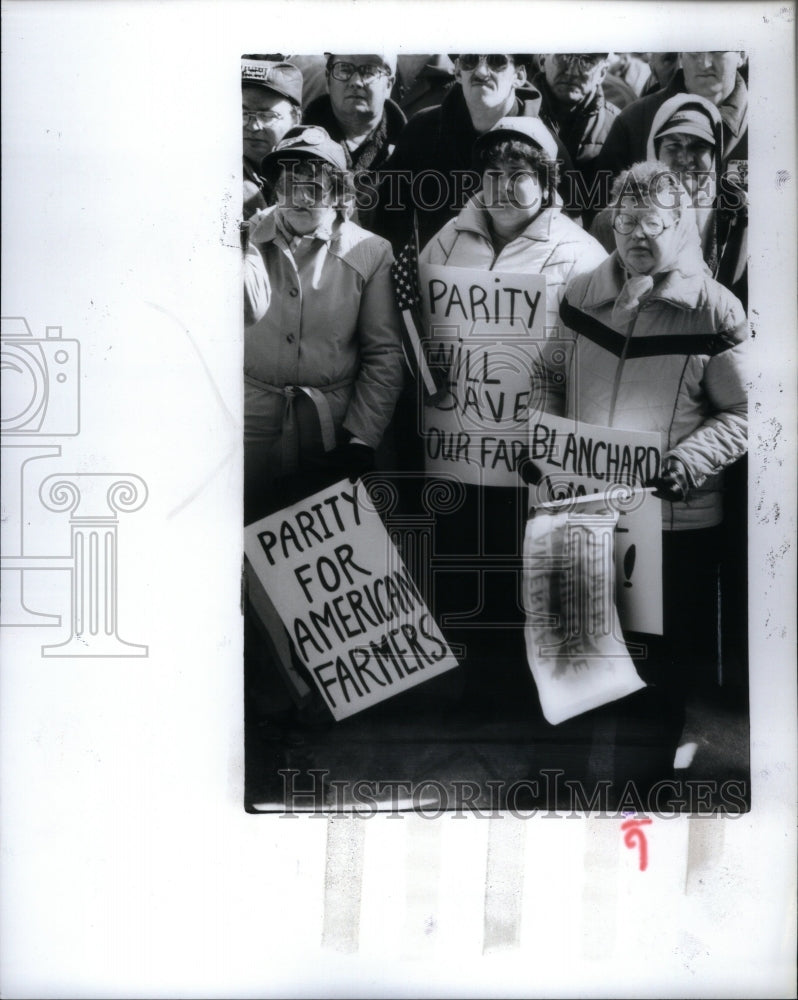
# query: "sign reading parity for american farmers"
484 331
348 604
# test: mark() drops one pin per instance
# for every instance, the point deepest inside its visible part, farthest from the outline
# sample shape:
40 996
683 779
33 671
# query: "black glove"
350 459
672 484
527 470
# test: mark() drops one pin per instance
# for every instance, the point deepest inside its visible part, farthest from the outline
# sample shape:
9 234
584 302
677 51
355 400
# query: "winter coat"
584 129
628 138
370 156
725 237
676 367
552 244
432 169
323 322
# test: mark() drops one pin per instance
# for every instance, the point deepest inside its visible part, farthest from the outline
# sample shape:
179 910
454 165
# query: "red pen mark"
635 837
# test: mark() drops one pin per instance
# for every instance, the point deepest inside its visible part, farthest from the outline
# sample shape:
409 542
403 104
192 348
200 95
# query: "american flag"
404 272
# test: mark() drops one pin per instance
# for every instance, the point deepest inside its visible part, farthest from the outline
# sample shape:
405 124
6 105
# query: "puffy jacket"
551 244
324 320
676 367
431 170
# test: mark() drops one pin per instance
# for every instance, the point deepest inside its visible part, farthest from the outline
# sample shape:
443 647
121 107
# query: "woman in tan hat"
322 350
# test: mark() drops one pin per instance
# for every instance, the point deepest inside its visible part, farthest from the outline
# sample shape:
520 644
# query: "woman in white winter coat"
513 224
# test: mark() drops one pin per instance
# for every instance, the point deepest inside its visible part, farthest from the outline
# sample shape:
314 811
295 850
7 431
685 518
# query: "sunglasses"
495 63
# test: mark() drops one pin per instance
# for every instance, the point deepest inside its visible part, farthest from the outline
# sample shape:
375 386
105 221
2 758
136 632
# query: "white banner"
483 332
574 642
612 464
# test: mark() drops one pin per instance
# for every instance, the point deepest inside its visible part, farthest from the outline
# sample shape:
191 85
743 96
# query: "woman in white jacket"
513 224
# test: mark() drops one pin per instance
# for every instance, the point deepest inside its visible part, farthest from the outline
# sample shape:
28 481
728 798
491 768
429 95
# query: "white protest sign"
579 459
574 643
567 450
637 545
484 330
351 609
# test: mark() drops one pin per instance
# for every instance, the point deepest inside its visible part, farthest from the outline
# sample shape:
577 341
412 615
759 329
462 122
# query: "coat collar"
733 110
266 228
320 112
474 219
605 284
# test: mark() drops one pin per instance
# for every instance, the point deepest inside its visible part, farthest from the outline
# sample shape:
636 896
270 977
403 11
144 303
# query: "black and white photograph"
398 554
480 290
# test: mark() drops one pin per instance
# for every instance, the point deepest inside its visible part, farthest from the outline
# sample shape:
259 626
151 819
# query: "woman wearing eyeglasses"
660 346
322 350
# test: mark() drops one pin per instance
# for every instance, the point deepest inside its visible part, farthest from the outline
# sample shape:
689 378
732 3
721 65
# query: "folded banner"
612 464
346 599
574 642
483 334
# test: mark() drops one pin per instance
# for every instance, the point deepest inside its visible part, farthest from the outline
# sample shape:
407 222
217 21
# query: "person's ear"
602 73
458 73
519 78
741 56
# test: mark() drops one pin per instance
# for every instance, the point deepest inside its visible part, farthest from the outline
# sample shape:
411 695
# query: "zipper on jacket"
619 368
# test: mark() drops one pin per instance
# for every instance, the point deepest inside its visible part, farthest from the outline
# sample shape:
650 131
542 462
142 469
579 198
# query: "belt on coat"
289 438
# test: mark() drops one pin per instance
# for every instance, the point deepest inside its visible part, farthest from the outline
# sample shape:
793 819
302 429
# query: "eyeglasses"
495 63
367 72
652 225
584 63
261 118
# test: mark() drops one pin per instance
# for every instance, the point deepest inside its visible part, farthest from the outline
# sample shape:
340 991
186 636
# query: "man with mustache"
431 173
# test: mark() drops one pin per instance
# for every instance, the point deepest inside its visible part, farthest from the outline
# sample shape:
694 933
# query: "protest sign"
348 604
574 642
579 460
483 334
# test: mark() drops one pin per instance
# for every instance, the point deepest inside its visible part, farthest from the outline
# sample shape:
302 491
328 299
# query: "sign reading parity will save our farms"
351 609
484 331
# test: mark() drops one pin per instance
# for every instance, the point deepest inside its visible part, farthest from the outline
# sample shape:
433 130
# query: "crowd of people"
620 177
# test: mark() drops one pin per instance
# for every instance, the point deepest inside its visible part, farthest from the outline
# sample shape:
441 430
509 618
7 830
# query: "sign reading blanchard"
351 609
484 330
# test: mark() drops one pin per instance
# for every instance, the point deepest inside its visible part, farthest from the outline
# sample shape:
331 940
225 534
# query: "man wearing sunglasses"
357 112
431 176
271 103
573 103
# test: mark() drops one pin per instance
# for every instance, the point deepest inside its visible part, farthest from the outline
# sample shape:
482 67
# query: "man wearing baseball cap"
271 103
357 112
